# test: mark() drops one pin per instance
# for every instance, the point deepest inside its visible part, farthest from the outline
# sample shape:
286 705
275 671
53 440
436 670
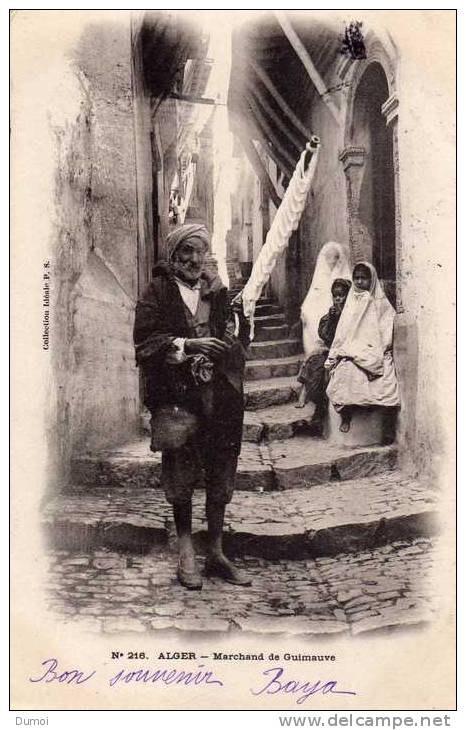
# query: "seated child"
312 374
360 361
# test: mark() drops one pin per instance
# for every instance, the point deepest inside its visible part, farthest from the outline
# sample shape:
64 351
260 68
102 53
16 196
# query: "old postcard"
233 297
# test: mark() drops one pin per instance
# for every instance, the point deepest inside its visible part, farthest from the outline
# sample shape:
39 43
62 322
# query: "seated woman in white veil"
360 360
320 314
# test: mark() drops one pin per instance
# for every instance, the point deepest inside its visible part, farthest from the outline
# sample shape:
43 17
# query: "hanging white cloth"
285 222
332 263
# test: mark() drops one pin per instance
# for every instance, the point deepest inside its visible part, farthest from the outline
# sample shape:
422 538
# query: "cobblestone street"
381 589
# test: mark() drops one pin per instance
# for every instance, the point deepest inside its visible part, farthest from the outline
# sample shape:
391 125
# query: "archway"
369 166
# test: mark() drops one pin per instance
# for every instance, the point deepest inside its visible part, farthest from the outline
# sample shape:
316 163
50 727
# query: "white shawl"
319 297
365 329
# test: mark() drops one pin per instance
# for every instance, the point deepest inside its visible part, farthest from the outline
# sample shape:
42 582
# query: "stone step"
301 461
269 392
304 461
262 299
273 368
337 517
269 319
274 332
266 309
276 423
273 349
135 466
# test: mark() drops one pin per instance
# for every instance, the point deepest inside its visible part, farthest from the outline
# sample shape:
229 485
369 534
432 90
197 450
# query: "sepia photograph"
233 270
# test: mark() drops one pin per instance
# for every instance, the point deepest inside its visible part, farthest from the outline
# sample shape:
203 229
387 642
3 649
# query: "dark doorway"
377 198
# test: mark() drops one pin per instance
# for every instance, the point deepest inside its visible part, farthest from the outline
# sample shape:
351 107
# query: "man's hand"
210 346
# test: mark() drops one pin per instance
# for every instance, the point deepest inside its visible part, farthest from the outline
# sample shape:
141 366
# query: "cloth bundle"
285 222
202 369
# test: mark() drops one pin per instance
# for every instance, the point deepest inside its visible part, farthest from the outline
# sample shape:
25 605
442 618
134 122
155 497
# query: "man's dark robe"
161 318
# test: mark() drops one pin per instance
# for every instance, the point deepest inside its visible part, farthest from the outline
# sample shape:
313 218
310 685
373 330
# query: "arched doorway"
369 167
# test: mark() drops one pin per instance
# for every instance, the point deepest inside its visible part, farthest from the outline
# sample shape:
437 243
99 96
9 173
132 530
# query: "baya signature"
277 684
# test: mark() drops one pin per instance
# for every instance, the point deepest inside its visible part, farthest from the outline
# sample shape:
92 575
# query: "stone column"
353 161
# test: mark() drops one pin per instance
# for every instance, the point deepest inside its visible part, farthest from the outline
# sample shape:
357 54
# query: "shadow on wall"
100 389
405 355
104 382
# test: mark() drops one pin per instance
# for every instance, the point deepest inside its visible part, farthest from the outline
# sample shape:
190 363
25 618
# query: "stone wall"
87 117
426 325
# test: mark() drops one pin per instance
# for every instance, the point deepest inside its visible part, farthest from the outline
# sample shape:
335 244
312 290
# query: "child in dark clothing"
312 374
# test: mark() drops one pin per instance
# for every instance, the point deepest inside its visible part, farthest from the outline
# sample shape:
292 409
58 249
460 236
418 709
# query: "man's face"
188 260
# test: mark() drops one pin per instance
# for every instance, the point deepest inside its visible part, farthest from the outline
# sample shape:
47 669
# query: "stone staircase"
283 473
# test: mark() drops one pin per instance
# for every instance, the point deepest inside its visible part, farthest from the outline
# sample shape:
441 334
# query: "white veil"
319 297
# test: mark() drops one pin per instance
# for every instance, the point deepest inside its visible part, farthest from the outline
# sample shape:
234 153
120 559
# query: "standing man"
193 367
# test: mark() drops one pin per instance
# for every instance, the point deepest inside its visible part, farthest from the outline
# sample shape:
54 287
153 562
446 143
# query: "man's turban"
182 233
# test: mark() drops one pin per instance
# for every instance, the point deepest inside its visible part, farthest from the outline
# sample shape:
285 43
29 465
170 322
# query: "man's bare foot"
188 573
220 567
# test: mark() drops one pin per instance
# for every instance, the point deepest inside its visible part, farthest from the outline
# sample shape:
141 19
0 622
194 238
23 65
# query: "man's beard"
188 272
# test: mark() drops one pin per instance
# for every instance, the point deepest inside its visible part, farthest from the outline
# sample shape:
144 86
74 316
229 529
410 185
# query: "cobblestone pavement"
331 503
112 592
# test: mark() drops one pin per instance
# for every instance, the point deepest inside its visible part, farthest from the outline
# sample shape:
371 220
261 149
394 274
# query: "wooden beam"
259 116
247 131
246 118
194 99
288 131
306 60
260 169
260 73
